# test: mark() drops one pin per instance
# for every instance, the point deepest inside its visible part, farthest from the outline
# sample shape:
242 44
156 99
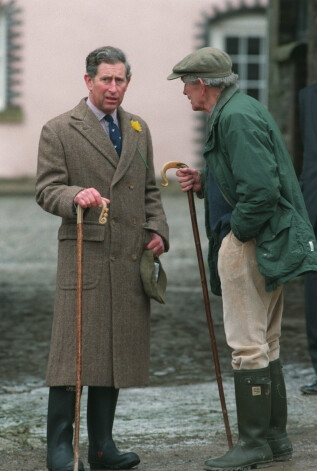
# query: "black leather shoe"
309 388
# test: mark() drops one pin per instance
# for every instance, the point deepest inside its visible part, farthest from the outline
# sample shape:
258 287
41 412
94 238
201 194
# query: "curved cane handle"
172 164
104 213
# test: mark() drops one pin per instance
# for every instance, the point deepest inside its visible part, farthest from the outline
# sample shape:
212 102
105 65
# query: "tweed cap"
208 62
154 285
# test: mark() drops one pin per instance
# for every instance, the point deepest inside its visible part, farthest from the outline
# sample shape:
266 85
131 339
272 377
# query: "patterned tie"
114 134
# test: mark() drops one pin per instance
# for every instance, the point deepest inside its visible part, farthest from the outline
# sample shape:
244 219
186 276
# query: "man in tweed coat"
79 164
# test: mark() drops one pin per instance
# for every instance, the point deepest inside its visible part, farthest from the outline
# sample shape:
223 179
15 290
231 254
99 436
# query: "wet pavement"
175 423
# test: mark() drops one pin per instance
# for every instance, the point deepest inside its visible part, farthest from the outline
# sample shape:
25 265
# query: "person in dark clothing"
308 122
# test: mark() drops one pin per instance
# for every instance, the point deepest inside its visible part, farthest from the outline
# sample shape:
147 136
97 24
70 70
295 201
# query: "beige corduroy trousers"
252 316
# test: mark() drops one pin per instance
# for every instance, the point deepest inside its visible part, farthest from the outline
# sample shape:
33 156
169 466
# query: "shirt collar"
212 110
100 114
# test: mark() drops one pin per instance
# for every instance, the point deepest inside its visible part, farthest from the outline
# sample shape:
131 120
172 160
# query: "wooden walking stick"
192 209
102 219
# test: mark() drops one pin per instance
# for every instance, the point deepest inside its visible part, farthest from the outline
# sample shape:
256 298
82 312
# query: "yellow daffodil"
136 125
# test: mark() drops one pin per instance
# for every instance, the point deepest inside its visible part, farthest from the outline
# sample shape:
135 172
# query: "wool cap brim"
207 62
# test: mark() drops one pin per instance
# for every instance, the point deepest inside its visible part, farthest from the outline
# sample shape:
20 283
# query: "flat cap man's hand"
189 179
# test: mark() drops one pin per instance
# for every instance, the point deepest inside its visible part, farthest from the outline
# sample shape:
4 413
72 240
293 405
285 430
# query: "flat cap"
207 62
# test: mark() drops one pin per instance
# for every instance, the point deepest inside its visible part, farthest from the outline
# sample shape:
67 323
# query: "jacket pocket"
281 245
93 255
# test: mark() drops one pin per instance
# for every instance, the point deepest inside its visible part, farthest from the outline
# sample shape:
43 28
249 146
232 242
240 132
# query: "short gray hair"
109 55
223 82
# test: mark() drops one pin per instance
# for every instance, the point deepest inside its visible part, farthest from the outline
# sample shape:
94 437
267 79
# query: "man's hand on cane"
89 197
189 179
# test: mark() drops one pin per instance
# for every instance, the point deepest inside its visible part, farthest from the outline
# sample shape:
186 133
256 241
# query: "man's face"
193 91
108 87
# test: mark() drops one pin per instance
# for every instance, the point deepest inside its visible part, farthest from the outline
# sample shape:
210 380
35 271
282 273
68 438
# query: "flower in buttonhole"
136 125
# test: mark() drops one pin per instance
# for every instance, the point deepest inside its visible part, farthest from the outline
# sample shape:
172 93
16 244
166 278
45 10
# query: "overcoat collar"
84 120
130 139
224 98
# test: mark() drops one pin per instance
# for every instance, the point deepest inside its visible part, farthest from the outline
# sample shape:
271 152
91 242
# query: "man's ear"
202 86
88 81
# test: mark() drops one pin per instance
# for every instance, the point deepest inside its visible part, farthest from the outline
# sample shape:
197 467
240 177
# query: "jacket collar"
223 100
84 120
130 139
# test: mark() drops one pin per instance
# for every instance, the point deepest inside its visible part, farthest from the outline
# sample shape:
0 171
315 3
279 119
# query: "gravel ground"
175 423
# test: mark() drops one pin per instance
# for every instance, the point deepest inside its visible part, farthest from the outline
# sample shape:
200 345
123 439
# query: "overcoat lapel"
129 144
88 125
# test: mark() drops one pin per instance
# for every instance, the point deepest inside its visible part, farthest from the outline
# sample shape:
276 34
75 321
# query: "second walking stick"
192 209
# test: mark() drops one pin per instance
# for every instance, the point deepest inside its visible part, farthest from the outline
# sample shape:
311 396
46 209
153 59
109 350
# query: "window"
3 61
10 23
244 39
292 20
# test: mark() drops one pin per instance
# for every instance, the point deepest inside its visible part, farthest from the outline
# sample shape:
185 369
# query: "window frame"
10 109
3 61
244 26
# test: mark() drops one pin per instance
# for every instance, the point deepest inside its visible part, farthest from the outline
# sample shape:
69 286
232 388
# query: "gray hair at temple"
109 55
223 82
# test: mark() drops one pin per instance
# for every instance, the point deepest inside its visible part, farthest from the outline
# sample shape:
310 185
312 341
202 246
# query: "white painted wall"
58 35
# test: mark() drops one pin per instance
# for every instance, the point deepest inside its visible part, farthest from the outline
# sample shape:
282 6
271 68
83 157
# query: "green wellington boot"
253 399
60 419
103 453
279 442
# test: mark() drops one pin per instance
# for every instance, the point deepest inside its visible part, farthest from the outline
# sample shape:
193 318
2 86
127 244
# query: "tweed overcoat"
76 153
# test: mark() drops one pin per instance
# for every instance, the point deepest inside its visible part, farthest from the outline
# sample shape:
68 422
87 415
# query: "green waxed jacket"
249 161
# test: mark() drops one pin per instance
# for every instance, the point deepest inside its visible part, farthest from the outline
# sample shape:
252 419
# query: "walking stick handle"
175 164
104 213
171 164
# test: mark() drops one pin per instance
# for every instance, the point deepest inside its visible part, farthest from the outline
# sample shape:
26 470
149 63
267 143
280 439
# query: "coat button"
134 257
131 186
134 221
112 258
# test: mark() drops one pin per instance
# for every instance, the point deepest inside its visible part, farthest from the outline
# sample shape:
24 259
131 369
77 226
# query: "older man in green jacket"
259 237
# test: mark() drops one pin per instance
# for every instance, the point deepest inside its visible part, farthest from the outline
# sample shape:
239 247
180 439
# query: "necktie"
114 134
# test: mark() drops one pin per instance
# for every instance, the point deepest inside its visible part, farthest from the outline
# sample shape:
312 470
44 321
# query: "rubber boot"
103 453
60 419
253 399
279 442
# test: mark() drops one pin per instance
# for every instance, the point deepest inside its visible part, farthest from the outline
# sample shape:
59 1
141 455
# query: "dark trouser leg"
60 419
253 399
103 453
279 442
310 284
